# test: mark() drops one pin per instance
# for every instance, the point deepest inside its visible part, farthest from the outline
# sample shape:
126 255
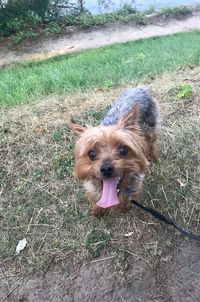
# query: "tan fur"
105 140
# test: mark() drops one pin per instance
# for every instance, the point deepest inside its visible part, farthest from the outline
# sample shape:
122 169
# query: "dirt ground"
173 277
94 38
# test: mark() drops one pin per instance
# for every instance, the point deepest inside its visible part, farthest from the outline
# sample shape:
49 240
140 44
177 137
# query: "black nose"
107 169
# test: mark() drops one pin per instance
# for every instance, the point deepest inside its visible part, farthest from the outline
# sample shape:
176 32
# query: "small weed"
63 166
183 91
140 56
95 242
180 91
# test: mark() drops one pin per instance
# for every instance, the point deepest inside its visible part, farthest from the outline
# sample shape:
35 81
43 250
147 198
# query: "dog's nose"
107 169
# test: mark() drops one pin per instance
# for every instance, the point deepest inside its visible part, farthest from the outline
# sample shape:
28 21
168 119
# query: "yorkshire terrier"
112 158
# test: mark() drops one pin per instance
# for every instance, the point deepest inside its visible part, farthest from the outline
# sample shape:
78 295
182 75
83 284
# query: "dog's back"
149 108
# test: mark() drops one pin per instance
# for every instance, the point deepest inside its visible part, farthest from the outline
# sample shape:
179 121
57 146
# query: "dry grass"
42 201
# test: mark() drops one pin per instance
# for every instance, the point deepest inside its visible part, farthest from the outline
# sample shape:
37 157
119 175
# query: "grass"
183 91
42 201
104 68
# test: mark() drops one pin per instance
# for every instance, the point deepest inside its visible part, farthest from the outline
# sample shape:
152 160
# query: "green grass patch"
106 67
183 91
96 241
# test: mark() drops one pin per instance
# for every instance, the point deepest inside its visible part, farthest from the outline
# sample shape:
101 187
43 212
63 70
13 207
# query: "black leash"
162 218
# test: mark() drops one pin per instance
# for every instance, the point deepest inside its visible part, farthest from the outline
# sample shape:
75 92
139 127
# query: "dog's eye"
123 150
92 154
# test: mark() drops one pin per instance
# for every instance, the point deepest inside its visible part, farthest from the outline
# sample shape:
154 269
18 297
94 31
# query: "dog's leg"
125 197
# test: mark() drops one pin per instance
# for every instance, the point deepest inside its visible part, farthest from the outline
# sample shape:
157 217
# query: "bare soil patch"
173 277
72 256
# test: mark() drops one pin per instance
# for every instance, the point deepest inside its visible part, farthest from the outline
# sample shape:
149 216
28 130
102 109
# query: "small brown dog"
111 158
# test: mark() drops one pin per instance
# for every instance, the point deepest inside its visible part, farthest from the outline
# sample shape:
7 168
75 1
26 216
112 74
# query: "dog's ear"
130 118
78 129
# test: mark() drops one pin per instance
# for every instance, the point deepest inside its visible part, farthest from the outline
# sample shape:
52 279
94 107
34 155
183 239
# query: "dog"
112 158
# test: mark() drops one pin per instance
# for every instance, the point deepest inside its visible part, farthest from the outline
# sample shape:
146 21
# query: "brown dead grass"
42 201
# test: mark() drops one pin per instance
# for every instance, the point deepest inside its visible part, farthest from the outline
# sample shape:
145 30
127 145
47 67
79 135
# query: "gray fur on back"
149 109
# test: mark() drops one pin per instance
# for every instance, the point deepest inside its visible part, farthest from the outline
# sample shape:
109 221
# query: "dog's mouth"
109 196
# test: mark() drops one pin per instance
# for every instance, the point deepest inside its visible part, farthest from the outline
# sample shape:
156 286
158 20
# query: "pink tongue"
109 196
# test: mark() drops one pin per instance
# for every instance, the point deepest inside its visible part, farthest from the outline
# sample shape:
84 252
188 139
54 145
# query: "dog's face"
106 152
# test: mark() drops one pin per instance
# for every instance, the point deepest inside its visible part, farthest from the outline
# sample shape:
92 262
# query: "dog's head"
107 152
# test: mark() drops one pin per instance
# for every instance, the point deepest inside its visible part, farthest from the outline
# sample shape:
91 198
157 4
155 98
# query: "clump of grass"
181 91
104 68
96 241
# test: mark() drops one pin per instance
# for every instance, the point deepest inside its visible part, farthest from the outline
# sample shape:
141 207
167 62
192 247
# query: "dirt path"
173 277
95 38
